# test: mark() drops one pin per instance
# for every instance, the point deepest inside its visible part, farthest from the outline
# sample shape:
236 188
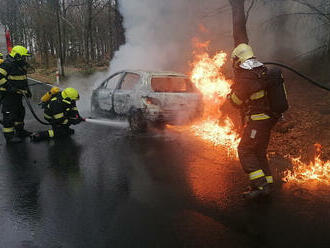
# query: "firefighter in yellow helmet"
60 111
249 95
13 84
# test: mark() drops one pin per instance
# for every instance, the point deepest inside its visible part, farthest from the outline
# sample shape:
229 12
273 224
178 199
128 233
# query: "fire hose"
32 111
318 84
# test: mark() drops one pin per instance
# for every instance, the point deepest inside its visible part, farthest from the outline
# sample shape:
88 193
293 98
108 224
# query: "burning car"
148 98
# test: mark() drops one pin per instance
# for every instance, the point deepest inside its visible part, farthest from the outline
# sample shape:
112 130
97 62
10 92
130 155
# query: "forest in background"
82 32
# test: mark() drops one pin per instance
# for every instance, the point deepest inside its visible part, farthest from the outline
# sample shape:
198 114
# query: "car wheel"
137 122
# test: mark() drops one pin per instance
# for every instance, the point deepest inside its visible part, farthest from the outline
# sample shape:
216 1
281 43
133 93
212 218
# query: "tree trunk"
239 22
111 26
64 33
59 39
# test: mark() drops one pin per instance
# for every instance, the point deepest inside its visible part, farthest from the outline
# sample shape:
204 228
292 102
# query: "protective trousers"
13 113
57 131
252 151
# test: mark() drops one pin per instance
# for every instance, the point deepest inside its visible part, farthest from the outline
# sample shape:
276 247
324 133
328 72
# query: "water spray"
110 123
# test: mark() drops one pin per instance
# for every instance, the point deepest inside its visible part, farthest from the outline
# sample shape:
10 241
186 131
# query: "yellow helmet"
1 56
19 51
70 93
242 53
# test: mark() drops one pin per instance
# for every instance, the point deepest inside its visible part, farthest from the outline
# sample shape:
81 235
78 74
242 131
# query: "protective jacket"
13 78
249 93
60 111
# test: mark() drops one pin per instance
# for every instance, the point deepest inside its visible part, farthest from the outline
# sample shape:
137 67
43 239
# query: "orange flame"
316 170
207 76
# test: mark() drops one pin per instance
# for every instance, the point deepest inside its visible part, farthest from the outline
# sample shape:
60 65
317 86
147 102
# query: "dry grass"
49 75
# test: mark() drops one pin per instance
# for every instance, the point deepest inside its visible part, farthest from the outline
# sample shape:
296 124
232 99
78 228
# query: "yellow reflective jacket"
13 77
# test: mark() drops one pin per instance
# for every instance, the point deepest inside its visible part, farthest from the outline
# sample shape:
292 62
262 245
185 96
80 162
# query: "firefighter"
248 93
13 84
61 112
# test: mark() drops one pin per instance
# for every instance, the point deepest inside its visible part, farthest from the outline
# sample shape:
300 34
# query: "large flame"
317 170
207 76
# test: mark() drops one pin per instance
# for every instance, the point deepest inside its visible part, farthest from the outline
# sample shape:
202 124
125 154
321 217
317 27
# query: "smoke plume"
159 33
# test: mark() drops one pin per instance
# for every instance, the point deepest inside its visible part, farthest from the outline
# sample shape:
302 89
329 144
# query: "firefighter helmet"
241 53
70 93
18 52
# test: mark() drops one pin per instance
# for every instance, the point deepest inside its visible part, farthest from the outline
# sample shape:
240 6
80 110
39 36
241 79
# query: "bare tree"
239 22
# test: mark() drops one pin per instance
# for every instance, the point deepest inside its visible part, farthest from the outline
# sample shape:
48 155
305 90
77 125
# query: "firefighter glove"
76 120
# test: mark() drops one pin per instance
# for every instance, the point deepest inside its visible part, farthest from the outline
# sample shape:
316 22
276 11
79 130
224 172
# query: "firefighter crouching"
60 111
251 92
13 84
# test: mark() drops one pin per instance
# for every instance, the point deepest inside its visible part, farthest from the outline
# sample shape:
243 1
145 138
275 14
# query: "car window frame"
122 80
104 83
194 89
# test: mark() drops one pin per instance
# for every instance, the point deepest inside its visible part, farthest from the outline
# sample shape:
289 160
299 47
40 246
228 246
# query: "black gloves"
76 120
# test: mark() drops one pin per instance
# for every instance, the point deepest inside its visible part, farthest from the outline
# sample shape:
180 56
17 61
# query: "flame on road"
207 76
317 170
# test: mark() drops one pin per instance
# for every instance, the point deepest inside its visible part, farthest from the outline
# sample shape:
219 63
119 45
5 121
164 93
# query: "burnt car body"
148 98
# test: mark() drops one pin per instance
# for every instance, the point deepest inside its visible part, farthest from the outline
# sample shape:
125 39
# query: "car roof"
156 73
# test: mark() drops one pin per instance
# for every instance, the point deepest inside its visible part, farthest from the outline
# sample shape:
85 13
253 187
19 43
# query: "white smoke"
159 33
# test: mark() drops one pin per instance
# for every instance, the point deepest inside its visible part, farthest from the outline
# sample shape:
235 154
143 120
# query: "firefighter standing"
13 84
249 95
60 111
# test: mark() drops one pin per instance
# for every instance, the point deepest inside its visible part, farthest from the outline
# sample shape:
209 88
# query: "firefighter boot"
36 137
23 133
13 140
257 192
20 131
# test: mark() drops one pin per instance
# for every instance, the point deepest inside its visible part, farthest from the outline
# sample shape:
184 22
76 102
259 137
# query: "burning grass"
317 170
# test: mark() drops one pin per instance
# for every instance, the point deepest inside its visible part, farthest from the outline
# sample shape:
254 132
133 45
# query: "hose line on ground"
320 85
32 111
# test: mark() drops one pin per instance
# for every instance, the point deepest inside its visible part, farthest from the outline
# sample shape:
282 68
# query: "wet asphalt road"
104 187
